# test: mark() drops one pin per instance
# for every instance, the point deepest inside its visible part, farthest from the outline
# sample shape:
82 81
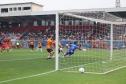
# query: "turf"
24 62
117 77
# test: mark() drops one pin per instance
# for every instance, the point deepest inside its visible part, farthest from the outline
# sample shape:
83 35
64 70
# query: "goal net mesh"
102 37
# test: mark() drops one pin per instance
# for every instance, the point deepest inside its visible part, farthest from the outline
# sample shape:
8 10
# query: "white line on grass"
21 59
100 73
92 72
79 65
85 72
6 81
115 69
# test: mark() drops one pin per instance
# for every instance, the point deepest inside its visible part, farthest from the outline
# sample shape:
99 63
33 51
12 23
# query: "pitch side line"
21 59
6 81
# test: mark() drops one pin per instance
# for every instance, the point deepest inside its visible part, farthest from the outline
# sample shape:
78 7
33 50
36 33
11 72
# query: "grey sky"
70 4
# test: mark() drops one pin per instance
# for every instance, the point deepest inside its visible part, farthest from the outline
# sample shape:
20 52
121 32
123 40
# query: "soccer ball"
81 70
84 49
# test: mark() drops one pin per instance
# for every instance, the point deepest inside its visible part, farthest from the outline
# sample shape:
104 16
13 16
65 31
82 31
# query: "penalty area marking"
6 81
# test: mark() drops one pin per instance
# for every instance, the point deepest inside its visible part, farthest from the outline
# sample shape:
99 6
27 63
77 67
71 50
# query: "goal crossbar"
92 19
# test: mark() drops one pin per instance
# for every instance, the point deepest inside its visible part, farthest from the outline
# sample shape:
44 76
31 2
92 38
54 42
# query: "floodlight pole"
111 42
57 40
117 3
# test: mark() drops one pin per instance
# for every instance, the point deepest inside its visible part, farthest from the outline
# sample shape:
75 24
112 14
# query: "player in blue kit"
71 49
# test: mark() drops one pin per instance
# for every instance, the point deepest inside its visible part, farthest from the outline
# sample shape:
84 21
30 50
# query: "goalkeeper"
71 49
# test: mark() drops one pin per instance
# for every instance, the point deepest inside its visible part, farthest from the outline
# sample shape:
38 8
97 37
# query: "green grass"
94 60
26 66
117 77
23 63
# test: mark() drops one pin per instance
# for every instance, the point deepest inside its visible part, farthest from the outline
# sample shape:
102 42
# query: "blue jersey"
73 47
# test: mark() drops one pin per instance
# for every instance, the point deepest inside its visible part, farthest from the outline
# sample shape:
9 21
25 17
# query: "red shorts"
5 46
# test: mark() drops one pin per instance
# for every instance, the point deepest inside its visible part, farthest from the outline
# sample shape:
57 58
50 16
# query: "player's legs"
50 53
7 49
39 49
69 52
60 50
4 49
0 49
31 47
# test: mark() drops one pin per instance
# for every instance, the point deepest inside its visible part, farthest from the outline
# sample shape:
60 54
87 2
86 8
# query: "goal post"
111 42
57 42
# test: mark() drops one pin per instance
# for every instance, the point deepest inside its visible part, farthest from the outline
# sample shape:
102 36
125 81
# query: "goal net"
102 37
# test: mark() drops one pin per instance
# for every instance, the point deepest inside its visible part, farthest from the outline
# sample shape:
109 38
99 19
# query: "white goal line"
99 72
36 75
21 59
79 65
94 72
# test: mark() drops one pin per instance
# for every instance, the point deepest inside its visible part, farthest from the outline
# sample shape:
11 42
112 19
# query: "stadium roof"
120 12
21 3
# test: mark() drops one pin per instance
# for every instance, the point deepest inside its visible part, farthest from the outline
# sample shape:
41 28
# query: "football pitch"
23 66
